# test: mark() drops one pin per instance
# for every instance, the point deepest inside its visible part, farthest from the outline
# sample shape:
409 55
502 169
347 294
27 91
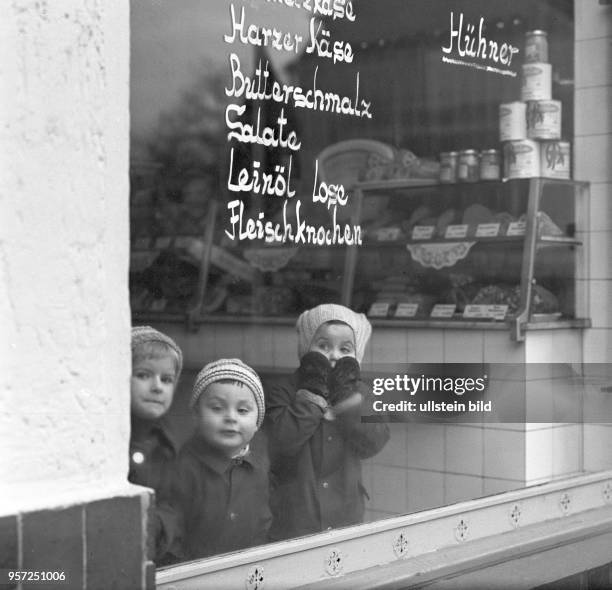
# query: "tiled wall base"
97 545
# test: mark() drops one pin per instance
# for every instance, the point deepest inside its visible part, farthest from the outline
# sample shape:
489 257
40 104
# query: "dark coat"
153 450
222 504
153 453
316 463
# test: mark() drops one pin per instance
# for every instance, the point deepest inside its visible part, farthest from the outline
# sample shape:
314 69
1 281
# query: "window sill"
440 543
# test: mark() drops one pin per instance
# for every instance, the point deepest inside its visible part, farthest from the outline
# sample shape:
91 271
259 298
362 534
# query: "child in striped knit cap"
221 491
317 440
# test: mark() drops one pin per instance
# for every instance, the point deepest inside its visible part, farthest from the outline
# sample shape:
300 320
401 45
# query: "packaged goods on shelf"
555 159
512 121
536 82
448 167
490 165
521 159
468 166
544 119
536 47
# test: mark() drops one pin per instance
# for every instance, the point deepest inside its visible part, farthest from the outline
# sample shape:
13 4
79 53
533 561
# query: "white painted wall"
64 313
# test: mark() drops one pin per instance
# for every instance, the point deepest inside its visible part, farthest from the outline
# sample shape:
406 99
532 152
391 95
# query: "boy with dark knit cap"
313 419
221 491
157 362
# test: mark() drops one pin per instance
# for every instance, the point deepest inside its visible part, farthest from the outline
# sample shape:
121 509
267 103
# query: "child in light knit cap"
221 493
157 362
317 440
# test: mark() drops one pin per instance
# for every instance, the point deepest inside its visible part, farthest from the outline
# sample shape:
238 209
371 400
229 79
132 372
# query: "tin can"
512 121
555 159
448 167
521 159
490 165
536 82
468 166
544 119
536 47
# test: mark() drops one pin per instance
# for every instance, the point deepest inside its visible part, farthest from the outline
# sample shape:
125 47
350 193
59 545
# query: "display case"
481 254
485 255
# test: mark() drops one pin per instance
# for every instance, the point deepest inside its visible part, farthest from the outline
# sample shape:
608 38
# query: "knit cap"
309 322
233 369
144 334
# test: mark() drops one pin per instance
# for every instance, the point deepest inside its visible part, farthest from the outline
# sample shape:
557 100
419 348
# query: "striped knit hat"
235 370
144 334
309 322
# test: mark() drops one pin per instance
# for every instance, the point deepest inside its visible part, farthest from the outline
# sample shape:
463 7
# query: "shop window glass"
244 214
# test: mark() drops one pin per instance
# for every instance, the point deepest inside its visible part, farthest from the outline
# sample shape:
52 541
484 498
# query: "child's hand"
344 379
313 373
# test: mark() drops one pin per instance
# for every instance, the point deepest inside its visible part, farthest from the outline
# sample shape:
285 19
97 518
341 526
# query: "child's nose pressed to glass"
227 417
152 387
334 341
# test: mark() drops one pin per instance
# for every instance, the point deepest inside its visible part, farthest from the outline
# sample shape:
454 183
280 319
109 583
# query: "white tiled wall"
593 162
593 157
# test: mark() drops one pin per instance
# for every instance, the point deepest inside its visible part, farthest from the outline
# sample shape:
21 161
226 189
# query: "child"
317 440
221 491
156 367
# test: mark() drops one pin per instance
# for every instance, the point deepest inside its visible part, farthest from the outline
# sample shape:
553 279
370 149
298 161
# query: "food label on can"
521 159
544 119
512 121
555 159
537 82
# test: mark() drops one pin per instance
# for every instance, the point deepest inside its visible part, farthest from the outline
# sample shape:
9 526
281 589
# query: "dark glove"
313 373
344 379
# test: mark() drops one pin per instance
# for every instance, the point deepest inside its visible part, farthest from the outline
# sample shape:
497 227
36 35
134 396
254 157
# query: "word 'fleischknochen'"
300 232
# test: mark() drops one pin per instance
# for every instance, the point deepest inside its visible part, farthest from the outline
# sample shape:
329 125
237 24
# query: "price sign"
517 228
388 234
423 232
487 230
489 312
456 231
406 310
379 310
443 310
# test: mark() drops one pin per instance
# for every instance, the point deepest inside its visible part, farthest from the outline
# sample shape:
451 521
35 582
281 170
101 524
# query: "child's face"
152 386
227 416
334 341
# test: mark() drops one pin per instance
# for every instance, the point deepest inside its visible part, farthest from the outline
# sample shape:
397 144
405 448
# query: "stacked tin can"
530 129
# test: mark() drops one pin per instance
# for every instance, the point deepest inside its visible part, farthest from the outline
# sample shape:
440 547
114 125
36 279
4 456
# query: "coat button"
330 437
138 458
325 485
233 516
